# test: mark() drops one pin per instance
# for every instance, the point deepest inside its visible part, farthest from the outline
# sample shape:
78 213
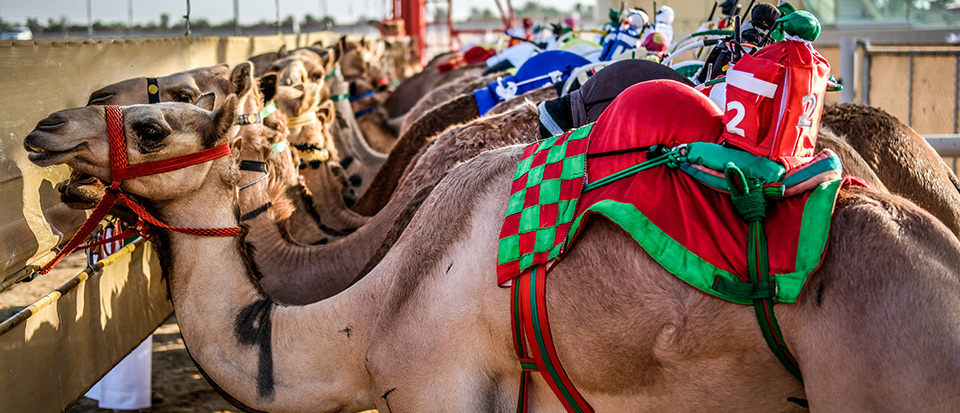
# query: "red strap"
88 226
203 232
532 308
171 164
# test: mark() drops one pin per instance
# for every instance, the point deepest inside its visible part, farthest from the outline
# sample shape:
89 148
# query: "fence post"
864 71
848 53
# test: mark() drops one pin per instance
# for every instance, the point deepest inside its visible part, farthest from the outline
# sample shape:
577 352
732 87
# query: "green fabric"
816 226
548 193
752 291
717 157
801 23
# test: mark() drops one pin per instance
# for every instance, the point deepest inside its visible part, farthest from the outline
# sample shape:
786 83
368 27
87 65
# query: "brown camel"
371 117
903 160
459 110
417 86
443 94
427 330
322 175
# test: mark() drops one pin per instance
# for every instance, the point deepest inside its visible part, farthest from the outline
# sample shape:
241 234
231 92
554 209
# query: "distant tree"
164 21
327 23
309 19
34 25
478 14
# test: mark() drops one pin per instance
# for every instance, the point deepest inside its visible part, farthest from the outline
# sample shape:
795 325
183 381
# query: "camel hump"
656 112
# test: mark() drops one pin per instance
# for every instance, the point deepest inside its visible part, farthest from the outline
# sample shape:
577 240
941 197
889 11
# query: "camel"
371 117
462 109
359 160
319 166
427 330
903 160
83 192
437 97
415 87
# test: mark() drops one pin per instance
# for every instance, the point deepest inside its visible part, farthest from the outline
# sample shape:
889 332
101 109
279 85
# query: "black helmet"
764 15
728 7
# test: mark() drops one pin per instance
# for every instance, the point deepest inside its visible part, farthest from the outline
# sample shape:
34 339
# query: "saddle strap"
529 321
751 203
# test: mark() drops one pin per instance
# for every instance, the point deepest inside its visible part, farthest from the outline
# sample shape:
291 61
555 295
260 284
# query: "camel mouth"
40 153
81 191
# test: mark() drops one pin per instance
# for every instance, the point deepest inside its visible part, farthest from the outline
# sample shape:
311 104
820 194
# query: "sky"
217 11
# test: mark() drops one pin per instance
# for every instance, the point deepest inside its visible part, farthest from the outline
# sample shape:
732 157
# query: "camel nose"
51 122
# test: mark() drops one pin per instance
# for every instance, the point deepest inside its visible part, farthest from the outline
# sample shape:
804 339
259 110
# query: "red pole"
414 21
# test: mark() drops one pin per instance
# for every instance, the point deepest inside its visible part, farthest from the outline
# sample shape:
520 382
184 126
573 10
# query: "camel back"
675 204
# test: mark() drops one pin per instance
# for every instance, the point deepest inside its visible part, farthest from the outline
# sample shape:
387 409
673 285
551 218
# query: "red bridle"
119 171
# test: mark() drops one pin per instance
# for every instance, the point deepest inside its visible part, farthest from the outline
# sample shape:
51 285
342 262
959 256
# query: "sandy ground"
175 377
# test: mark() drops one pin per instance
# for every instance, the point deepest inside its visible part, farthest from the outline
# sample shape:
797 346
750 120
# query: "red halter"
120 170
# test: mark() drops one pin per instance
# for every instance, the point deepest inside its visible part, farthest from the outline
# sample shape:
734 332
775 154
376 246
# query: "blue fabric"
532 75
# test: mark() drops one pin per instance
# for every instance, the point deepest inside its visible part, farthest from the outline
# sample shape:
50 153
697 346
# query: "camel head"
78 138
307 64
309 115
185 86
83 192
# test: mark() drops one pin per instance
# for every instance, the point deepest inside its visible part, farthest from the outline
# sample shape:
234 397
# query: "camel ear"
242 78
237 145
223 119
311 96
282 52
326 112
206 102
363 41
318 43
268 86
337 53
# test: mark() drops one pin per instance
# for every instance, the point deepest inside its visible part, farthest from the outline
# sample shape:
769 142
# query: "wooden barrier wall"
56 349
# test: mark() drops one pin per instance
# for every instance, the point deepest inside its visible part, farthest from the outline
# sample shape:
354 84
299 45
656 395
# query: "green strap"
338 98
671 159
268 109
713 33
333 73
748 197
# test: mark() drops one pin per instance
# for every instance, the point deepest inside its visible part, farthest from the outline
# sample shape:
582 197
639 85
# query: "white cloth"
127 386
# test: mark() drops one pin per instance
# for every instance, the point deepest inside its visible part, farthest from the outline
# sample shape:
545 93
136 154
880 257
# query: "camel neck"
263 354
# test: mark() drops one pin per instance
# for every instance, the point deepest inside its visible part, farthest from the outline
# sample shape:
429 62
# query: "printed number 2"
732 125
809 104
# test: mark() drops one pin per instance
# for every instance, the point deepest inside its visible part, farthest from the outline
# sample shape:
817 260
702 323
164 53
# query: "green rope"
672 159
713 33
750 200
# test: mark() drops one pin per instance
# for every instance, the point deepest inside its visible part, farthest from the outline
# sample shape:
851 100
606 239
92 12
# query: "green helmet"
802 24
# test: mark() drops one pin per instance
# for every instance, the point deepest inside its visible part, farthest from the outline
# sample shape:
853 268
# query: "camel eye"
184 97
151 132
